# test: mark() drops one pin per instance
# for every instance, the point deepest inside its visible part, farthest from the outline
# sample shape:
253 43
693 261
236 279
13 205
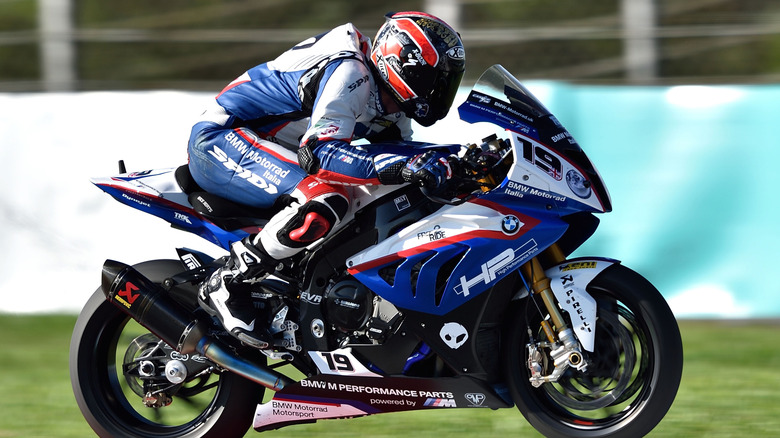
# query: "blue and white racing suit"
320 94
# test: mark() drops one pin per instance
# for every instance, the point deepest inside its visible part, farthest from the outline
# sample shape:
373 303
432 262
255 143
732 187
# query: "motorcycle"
459 298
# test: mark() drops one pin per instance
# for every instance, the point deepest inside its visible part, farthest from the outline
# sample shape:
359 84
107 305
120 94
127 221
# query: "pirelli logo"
578 265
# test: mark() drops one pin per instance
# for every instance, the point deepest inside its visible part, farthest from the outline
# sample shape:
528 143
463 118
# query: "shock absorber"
540 285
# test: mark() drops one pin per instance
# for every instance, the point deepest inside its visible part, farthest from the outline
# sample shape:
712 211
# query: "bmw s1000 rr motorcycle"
463 298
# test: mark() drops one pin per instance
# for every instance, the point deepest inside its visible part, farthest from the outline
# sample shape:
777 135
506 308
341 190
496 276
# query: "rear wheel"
633 373
118 377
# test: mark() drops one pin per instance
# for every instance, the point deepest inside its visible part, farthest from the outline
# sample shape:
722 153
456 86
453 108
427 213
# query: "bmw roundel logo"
510 224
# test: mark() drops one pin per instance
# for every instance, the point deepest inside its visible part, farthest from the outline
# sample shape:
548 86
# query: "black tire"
96 359
634 372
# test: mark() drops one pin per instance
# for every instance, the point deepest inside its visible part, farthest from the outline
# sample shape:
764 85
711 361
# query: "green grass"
730 388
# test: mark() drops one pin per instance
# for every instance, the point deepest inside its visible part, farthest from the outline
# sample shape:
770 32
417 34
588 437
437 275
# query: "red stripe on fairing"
381 261
528 224
264 148
152 198
404 254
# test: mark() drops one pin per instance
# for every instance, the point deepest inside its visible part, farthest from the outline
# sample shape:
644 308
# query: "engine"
348 305
357 315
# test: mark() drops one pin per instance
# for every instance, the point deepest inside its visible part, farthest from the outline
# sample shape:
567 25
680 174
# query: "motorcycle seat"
224 213
185 180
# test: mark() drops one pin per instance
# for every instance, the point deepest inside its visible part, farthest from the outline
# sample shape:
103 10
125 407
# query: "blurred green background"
199 44
729 390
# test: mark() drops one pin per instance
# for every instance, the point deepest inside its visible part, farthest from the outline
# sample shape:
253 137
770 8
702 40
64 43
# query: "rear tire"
102 336
633 374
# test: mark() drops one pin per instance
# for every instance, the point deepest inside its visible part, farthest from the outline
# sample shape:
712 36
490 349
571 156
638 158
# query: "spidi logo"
248 175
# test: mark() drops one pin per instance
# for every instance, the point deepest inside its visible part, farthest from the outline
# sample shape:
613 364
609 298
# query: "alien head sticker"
454 335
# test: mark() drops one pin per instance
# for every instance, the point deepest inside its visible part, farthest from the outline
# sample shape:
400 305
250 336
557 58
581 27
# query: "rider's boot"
226 294
315 209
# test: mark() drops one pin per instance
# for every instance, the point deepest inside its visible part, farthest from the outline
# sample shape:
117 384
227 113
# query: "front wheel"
633 373
117 372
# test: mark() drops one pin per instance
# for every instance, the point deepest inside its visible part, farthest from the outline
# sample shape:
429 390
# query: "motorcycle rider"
280 134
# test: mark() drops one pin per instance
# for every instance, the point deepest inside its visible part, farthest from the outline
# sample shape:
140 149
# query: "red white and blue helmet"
421 60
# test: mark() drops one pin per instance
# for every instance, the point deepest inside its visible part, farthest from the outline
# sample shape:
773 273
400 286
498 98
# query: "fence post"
447 10
639 40
57 48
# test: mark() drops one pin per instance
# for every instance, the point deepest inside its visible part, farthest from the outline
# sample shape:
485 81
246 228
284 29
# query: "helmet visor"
427 110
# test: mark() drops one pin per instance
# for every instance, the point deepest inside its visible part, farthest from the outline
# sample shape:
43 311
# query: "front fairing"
550 167
436 264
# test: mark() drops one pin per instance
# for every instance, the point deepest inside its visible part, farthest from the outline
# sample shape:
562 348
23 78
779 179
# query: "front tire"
633 374
105 339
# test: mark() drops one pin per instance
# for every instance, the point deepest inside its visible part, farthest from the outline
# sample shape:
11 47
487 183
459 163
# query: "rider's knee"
323 208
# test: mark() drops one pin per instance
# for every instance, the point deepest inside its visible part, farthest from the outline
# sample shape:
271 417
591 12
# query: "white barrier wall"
691 171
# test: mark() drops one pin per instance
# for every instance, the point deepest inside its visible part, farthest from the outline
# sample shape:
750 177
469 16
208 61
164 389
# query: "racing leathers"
285 128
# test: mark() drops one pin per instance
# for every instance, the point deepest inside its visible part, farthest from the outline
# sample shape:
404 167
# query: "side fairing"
440 262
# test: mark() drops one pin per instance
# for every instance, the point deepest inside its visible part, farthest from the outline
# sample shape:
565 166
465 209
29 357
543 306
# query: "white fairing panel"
445 227
157 183
540 171
568 282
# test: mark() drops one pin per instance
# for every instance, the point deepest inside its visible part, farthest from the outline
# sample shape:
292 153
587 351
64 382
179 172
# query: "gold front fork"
564 350
540 285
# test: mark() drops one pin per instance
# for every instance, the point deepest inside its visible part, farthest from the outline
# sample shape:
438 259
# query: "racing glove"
430 169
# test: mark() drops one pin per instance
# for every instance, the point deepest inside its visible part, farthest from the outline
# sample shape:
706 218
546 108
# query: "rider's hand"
430 169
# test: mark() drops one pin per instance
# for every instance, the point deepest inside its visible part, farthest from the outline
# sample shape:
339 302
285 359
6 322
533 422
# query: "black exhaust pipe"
150 305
